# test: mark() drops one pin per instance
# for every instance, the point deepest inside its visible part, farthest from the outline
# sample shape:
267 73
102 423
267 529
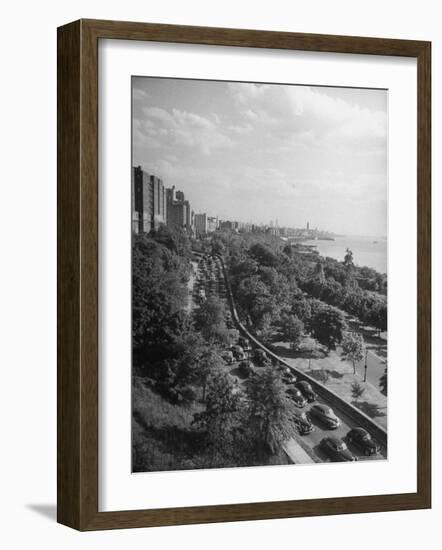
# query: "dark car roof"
322 408
360 431
305 384
334 439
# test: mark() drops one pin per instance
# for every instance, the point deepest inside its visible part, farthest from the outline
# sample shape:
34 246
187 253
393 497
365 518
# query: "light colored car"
238 353
326 415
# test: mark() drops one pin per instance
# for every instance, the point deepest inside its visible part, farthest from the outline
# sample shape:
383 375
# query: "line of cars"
335 448
209 279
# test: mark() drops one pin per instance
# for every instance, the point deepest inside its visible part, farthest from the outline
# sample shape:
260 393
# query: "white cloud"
302 110
183 129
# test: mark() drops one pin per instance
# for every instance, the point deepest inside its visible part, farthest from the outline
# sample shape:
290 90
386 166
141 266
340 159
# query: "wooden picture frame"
78 274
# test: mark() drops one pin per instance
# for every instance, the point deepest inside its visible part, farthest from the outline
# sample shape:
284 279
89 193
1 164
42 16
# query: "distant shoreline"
367 251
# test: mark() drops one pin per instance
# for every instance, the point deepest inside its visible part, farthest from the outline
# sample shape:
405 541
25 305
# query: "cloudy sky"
260 152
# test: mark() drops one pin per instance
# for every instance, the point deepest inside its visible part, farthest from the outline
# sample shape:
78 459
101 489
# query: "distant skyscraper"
308 226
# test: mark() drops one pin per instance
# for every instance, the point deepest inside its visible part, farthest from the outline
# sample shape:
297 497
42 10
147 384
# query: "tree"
327 326
377 315
300 307
270 410
158 297
210 320
180 370
256 301
223 420
209 363
357 390
264 255
217 246
292 330
348 260
353 348
319 273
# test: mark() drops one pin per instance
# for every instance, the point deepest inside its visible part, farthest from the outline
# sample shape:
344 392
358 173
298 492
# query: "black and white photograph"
259 274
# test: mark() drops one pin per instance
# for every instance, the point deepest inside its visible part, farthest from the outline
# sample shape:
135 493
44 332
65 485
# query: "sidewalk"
296 453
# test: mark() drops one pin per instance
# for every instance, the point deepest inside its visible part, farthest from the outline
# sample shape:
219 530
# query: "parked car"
260 358
286 374
244 343
298 398
227 356
229 322
246 369
289 378
337 450
302 423
326 415
362 439
238 353
306 390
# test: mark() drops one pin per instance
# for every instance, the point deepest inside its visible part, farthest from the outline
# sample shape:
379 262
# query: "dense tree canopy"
328 326
270 410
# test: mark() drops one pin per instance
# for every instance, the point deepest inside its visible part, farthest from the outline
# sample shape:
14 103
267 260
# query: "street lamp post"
365 366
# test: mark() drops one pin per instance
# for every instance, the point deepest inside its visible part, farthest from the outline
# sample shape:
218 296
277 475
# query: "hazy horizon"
261 152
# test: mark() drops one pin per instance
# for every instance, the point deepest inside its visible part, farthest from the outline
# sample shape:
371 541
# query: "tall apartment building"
135 216
179 213
142 200
200 221
148 201
159 202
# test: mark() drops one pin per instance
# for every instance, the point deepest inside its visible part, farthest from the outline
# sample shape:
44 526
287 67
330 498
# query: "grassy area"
163 437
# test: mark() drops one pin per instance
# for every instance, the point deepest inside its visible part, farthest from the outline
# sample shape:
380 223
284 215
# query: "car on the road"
325 414
229 322
336 449
286 374
362 439
306 390
227 356
298 398
244 343
238 353
302 423
260 358
246 369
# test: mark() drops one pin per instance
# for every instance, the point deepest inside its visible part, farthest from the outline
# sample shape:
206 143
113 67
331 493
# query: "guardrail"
360 418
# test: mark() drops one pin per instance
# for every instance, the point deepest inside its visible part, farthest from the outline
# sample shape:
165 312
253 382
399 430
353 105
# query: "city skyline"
252 152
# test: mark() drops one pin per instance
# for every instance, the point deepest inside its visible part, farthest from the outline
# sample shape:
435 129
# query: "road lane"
313 439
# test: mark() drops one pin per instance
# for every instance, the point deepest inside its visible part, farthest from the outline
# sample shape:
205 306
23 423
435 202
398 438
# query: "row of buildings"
153 205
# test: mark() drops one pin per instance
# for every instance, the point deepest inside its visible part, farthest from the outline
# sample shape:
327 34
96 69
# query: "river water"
367 251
